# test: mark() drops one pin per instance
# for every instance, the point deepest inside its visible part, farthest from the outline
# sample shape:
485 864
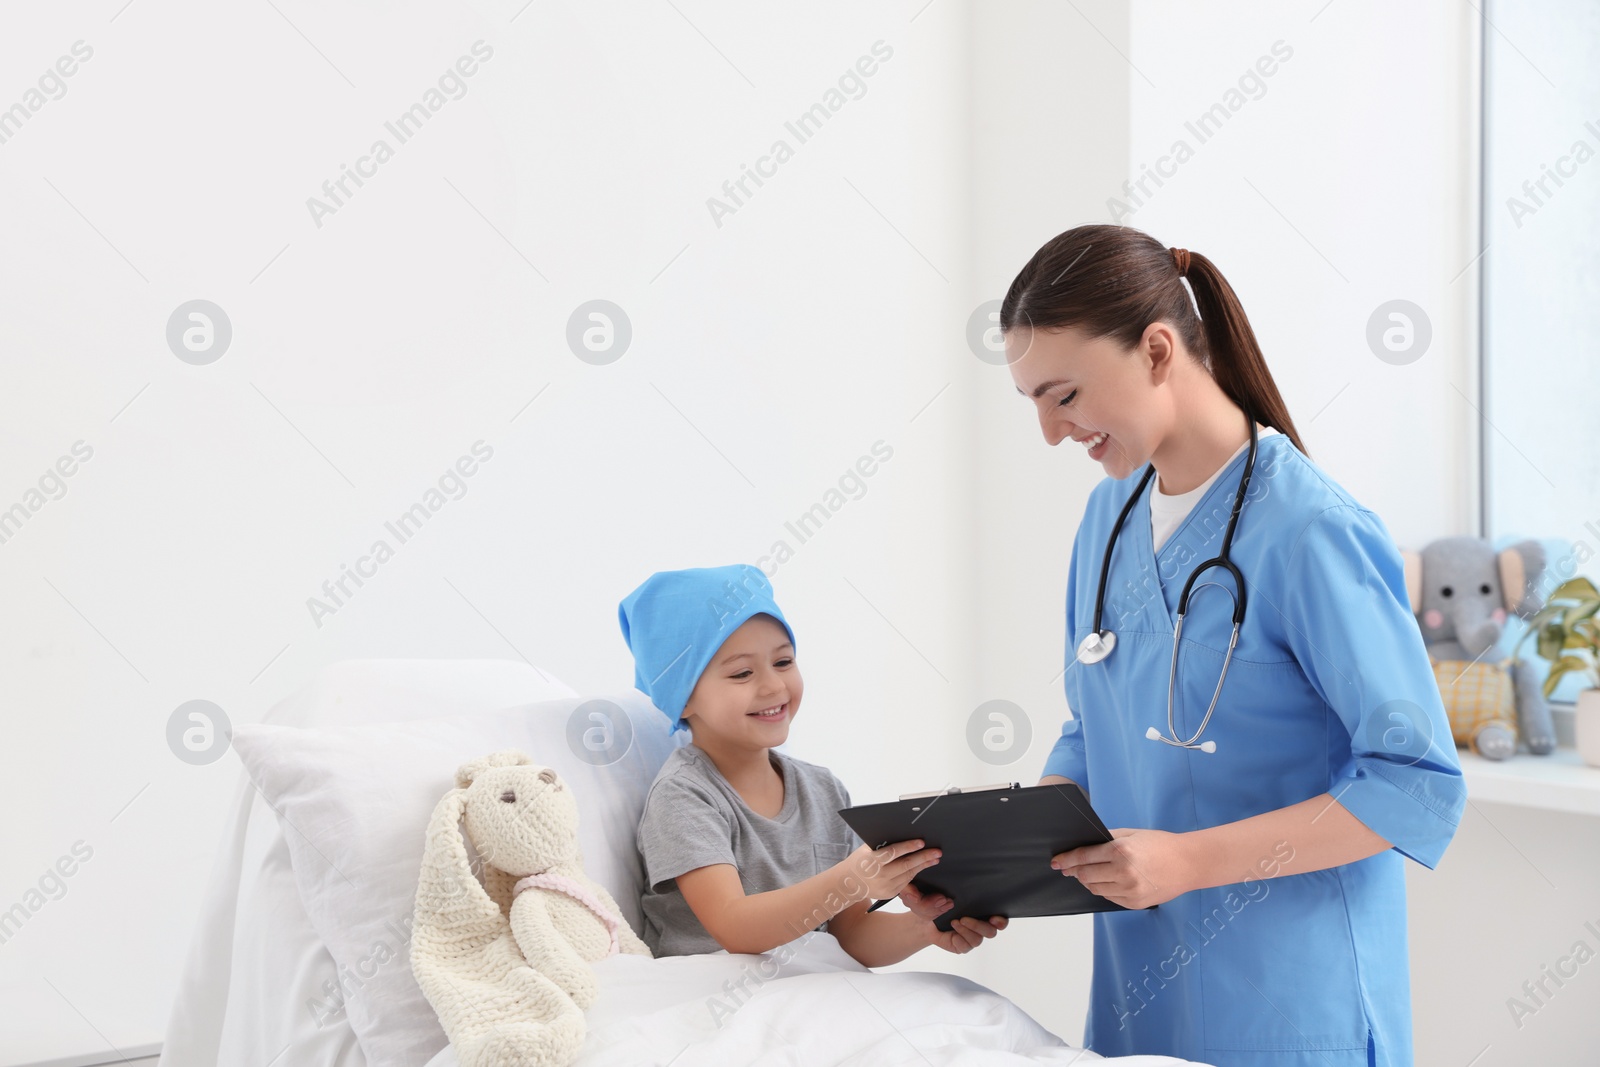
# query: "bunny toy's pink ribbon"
562 884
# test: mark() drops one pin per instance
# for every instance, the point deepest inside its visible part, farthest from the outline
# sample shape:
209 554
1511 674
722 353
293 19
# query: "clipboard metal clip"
959 789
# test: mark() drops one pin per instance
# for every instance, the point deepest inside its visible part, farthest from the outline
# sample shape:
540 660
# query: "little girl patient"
743 846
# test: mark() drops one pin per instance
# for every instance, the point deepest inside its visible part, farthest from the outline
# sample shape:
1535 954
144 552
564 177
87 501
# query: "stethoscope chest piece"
1096 646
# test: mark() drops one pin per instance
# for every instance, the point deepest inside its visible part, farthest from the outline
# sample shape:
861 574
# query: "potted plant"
1567 633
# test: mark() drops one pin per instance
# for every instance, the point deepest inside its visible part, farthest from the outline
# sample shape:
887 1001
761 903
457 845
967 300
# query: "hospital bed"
310 971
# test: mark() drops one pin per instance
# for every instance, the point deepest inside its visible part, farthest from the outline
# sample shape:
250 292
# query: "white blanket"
807 1003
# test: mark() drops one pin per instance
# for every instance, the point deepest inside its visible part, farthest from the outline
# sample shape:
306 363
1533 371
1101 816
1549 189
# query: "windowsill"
1560 781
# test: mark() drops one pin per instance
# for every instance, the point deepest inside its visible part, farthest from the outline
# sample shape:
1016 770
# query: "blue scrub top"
1330 691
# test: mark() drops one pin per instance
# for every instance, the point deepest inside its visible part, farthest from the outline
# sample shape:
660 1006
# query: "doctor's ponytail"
1114 281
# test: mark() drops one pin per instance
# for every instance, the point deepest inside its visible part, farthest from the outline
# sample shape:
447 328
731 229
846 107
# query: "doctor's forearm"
1312 835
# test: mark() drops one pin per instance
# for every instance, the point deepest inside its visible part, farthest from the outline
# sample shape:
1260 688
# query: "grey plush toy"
1461 591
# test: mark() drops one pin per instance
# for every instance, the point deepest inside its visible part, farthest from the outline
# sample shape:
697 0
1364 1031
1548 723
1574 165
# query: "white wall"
768 355
1050 135
826 313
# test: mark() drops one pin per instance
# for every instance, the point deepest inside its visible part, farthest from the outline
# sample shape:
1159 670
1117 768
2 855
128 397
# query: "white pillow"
354 802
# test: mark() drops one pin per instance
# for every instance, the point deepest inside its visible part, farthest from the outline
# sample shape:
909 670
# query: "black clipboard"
996 843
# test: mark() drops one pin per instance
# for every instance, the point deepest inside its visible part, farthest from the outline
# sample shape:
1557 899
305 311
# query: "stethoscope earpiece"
1156 735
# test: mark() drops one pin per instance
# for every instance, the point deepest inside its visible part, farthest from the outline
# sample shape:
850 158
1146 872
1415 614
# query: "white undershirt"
1166 511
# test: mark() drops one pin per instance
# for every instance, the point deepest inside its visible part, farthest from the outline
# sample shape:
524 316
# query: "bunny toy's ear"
457 931
498 882
468 772
463 951
448 894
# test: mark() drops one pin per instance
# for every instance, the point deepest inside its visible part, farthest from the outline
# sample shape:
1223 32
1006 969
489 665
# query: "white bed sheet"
807 1004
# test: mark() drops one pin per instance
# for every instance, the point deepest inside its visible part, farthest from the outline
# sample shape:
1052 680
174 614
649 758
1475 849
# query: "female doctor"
1262 800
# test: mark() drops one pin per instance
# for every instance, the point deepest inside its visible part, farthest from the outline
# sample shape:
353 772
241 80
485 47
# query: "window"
1541 282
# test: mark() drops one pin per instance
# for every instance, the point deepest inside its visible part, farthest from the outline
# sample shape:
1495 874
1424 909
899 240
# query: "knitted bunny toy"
506 964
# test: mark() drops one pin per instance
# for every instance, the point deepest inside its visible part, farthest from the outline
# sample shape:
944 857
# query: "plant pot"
1586 726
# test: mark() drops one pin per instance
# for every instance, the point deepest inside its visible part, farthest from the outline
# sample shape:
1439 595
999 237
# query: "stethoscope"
1098 643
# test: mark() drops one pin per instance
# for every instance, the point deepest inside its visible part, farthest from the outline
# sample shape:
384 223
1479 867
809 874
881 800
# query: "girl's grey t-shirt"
694 818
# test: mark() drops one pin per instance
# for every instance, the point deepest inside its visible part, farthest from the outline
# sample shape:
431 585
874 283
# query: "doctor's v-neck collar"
1225 480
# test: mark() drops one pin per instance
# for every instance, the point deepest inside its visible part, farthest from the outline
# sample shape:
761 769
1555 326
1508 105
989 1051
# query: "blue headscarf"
676 620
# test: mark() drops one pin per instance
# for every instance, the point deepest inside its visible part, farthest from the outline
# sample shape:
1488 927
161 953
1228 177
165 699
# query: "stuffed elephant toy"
506 963
1462 591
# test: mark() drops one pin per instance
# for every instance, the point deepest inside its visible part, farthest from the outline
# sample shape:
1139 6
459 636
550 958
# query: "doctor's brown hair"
1113 281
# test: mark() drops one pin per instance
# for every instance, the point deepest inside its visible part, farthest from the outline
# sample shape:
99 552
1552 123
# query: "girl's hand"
1136 869
888 870
965 934
925 905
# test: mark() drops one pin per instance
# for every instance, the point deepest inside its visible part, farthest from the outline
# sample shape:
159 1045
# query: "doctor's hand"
1136 868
